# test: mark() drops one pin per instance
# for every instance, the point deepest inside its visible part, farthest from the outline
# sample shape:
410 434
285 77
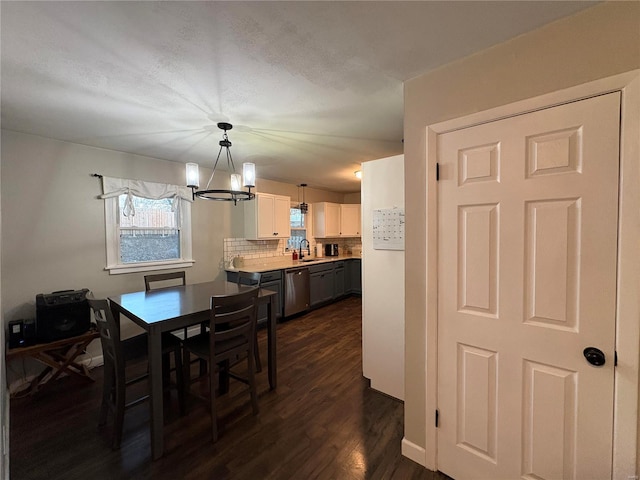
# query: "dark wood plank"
322 422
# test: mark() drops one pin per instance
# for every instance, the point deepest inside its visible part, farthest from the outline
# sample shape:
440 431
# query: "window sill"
148 266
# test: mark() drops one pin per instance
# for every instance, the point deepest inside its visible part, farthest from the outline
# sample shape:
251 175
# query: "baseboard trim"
414 452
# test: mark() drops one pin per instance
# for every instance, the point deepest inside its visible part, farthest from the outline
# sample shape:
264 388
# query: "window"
152 234
144 233
297 218
298 227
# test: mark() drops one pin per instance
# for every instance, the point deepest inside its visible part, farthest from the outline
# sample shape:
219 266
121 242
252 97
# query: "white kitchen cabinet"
350 220
326 220
267 217
331 220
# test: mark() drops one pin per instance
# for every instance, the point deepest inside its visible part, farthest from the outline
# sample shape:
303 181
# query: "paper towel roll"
319 250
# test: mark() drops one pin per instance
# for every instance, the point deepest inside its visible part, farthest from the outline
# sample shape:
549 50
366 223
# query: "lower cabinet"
327 282
339 280
321 284
354 276
271 281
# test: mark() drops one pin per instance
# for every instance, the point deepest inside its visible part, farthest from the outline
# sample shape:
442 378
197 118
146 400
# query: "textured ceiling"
312 88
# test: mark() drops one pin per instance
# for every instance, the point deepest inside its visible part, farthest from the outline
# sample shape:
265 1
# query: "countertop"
287 262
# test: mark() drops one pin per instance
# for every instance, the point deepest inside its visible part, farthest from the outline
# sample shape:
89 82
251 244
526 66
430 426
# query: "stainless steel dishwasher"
296 291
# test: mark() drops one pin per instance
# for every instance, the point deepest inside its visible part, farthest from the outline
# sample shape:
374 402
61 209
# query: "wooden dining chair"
165 280
255 279
230 341
116 354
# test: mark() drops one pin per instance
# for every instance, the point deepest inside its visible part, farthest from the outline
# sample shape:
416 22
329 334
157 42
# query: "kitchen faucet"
301 256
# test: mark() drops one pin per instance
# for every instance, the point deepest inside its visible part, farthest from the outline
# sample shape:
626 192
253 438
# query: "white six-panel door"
526 281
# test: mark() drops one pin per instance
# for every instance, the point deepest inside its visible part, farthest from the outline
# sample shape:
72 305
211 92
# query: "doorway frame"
626 376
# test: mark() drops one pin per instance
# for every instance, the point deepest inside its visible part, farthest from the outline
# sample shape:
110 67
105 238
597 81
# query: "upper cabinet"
267 217
326 220
350 220
332 220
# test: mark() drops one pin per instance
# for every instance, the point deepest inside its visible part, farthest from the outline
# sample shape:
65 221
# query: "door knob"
594 356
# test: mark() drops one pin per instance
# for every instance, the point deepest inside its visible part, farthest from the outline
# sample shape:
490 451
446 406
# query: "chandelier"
235 194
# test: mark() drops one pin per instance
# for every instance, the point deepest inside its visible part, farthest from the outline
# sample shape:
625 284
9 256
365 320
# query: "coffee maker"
331 250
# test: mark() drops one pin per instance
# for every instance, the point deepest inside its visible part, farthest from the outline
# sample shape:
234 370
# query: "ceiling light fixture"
235 194
358 174
304 207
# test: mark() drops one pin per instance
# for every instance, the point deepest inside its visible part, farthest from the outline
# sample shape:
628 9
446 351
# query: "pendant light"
303 206
235 194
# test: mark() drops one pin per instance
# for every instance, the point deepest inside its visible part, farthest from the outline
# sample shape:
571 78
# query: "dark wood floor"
322 422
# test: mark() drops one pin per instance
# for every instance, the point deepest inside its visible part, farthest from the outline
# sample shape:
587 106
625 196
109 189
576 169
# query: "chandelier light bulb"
249 174
236 182
193 175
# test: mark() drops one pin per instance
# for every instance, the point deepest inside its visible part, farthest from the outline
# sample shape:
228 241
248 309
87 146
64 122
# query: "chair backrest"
233 324
109 333
250 278
164 277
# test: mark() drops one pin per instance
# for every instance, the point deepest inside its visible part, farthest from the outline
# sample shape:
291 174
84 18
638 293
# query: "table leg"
155 380
155 377
271 341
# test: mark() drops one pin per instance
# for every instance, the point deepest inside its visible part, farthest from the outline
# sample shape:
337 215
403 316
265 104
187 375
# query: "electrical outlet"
632 477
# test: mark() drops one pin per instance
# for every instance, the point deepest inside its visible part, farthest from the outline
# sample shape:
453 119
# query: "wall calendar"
388 229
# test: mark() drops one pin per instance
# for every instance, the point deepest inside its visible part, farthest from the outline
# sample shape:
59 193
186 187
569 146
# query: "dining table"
174 308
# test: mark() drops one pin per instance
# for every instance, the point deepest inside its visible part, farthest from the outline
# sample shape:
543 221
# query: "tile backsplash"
253 249
265 251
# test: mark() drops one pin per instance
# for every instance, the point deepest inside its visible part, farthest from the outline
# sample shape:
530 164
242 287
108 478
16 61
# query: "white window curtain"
114 187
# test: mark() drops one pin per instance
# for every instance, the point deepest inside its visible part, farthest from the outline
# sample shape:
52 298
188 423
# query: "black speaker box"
62 314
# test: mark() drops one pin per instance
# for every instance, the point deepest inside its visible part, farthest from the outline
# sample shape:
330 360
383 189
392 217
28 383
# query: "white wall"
352 197
382 281
4 394
311 194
